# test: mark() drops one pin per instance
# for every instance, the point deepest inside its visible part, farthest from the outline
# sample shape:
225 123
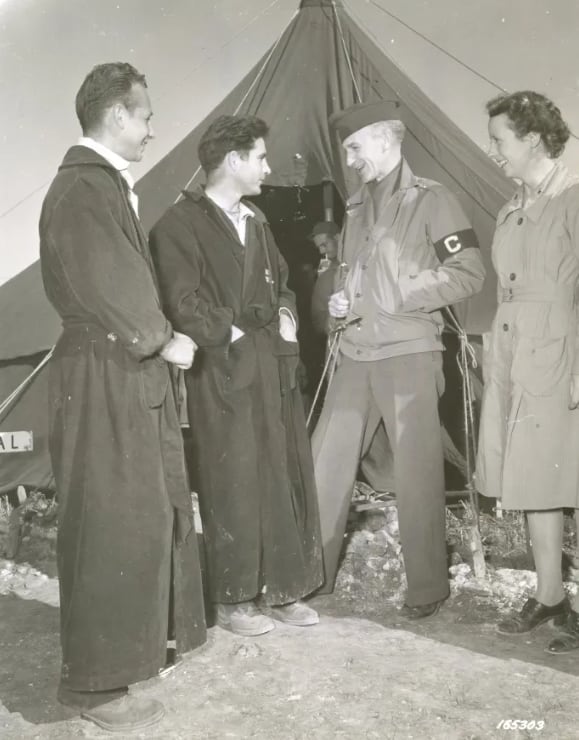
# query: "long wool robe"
127 554
252 454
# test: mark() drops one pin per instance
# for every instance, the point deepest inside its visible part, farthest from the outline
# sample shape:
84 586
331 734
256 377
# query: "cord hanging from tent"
445 52
247 94
466 358
346 54
15 393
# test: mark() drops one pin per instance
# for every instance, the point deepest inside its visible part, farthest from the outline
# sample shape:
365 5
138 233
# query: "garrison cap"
352 119
325 227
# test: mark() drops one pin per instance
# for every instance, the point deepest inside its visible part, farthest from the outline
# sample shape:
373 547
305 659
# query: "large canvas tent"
321 62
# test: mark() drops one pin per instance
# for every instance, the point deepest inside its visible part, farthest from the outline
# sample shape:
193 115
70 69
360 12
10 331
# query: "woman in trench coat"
529 438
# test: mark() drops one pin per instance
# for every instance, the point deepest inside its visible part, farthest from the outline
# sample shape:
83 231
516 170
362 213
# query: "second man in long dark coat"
223 283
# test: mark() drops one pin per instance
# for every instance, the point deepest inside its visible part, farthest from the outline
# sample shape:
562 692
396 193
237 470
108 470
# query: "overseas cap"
352 119
325 227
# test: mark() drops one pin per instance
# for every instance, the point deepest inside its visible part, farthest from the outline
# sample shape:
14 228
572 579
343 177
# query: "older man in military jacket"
410 251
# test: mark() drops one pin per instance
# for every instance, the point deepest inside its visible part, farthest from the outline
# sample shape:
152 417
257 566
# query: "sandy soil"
363 672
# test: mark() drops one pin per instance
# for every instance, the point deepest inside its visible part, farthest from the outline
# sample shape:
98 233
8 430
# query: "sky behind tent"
194 52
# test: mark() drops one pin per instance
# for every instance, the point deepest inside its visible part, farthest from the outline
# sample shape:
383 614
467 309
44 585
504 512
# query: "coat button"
520 220
512 276
505 327
358 295
358 351
364 267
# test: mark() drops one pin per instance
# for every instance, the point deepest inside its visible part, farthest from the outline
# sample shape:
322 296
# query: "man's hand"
179 350
287 327
339 305
574 394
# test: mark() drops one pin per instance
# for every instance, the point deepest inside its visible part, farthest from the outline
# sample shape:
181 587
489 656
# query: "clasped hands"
179 351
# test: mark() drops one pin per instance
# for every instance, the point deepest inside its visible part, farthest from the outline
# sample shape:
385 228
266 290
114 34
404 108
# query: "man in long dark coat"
223 283
127 553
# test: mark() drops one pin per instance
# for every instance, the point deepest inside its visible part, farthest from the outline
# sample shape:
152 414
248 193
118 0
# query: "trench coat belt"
560 294
88 327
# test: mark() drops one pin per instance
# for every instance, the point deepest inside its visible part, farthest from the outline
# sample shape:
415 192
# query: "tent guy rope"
247 94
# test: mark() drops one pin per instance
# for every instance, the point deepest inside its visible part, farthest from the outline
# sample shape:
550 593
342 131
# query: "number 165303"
521 724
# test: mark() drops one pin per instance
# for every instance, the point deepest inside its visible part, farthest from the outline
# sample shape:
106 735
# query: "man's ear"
232 161
117 114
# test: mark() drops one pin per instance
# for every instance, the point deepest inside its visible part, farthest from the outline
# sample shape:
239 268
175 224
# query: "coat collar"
197 195
554 184
407 180
79 155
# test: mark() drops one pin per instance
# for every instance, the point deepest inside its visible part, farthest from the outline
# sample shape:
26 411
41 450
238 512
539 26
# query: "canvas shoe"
243 619
296 614
128 714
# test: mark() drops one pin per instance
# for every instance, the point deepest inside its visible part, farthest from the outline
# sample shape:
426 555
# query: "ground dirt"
363 672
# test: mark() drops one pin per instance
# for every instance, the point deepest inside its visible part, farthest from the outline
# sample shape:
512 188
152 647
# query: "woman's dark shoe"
569 641
532 615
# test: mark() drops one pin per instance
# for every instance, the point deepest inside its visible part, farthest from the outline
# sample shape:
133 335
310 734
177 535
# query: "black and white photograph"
289 369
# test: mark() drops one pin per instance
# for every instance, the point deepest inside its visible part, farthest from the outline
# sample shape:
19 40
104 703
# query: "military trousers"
404 392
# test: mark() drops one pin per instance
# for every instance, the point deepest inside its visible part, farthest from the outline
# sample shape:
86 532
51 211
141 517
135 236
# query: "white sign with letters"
16 442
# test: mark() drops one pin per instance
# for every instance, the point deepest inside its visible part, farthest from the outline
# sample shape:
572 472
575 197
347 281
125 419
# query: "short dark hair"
105 85
530 112
229 134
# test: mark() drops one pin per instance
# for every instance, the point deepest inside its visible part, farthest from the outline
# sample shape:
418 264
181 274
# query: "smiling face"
136 128
251 169
513 155
367 152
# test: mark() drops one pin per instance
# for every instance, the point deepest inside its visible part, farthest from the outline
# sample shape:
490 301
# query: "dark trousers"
404 392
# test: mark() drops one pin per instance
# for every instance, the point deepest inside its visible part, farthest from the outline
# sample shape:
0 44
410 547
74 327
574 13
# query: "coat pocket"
541 365
288 361
154 379
239 366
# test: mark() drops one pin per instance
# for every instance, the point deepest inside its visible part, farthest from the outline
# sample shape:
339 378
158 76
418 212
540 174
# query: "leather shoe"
422 611
297 614
532 615
569 641
244 619
128 714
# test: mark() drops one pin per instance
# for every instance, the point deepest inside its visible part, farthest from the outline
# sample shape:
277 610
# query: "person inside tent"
127 555
529 432
410 250
223 283
325 235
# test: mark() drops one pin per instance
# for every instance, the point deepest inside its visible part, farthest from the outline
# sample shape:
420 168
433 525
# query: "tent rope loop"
15 393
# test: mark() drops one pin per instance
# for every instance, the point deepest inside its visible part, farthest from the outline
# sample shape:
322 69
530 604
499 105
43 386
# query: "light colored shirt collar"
238 219
119 163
